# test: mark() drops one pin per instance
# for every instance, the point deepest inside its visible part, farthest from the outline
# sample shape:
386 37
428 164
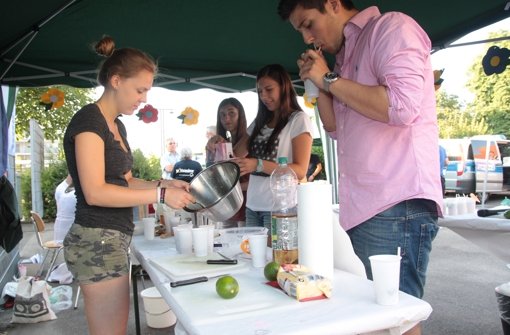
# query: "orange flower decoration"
53 98
189 116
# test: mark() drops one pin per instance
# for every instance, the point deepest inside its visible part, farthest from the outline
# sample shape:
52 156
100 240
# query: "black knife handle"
489 212
222 261
188 281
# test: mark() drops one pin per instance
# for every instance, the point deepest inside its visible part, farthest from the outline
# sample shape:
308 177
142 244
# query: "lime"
507 214
271 270
227 287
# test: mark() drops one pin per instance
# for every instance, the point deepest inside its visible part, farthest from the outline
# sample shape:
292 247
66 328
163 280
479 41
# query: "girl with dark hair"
230 126
280 129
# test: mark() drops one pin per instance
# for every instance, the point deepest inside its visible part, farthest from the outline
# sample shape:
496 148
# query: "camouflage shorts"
96 254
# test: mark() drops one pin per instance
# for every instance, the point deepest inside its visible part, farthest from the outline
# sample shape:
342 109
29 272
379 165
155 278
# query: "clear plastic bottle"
284 222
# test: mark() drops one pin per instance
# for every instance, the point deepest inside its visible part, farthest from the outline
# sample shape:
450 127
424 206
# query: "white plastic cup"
258 246
386 275
210 236
471 205
200 241
148 228
311 90
183 239
451 206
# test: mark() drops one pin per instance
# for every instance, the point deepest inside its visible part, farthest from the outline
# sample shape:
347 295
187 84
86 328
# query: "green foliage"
492 93
53 121
453 122
50 178
145 168
26 194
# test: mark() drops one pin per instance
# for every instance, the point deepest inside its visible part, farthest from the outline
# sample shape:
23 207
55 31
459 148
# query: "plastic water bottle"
284 222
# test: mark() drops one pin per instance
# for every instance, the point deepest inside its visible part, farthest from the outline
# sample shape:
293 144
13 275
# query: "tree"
455 122
492 92
53 121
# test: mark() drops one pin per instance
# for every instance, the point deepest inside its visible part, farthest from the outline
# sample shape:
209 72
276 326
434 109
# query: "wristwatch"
329 78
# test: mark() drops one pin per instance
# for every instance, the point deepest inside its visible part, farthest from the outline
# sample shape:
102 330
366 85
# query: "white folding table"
261 309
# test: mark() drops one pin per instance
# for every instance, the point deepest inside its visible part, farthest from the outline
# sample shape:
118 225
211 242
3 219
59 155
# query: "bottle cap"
282 160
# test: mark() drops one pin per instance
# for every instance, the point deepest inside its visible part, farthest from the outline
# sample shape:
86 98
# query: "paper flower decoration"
310 103
148 114
53 98
437 78
495 60
189 116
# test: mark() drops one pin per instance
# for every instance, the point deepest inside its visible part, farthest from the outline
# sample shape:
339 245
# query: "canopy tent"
218 44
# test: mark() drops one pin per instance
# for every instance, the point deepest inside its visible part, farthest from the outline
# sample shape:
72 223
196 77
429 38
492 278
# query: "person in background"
170 158
66 207
99 161
231 127
186 169
378 102
314 168
443 164
280 129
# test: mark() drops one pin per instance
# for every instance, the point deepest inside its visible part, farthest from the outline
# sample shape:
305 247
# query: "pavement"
70 321
460 289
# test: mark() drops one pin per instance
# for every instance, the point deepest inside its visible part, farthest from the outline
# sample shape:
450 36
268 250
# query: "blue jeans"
410 224
258 219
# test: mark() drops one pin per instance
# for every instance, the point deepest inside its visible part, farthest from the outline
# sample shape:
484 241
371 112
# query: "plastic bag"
61 297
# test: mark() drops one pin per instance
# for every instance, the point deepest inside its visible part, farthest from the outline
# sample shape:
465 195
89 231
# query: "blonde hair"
124 62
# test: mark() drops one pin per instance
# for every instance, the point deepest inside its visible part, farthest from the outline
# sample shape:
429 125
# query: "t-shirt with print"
259 196
186 170
117 163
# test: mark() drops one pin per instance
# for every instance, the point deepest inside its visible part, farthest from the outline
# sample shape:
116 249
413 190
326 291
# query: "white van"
477 164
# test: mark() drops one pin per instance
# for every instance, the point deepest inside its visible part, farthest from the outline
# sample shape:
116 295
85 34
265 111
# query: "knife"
489 212
193 280
212 261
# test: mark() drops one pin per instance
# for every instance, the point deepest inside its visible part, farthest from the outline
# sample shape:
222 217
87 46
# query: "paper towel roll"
315 238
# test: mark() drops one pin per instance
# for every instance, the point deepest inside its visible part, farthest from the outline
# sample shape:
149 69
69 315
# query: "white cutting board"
189 266
254 298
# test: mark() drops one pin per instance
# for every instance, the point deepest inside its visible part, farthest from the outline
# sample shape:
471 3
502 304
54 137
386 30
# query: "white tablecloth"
261 309
491 233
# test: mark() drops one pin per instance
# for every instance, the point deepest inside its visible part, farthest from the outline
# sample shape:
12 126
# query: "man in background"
170 158
443 164
186 169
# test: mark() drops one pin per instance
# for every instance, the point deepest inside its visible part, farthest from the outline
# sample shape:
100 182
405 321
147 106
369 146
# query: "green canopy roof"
211 43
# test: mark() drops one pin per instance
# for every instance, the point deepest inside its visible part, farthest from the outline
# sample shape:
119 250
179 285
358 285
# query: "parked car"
478 164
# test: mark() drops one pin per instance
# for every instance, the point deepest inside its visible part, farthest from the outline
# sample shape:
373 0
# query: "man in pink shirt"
379 104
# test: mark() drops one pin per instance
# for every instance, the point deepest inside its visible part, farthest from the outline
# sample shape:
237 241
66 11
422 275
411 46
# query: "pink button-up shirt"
382 164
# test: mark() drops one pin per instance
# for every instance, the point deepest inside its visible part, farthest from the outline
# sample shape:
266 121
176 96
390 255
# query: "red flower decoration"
148 114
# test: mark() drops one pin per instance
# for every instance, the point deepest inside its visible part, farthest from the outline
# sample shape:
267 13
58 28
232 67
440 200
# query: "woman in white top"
280 129
66 206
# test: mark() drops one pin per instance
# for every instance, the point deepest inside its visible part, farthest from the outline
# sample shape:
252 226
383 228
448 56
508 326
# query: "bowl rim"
238 174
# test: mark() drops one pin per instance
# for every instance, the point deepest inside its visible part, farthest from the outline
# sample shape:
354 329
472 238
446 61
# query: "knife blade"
193 280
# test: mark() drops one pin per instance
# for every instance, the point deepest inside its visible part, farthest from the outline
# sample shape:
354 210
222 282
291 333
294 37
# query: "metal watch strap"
328 79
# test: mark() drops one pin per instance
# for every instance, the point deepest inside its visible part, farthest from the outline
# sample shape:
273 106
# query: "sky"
456 60
150 137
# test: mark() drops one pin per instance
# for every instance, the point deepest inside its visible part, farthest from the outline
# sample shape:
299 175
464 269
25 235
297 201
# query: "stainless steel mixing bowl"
217 191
